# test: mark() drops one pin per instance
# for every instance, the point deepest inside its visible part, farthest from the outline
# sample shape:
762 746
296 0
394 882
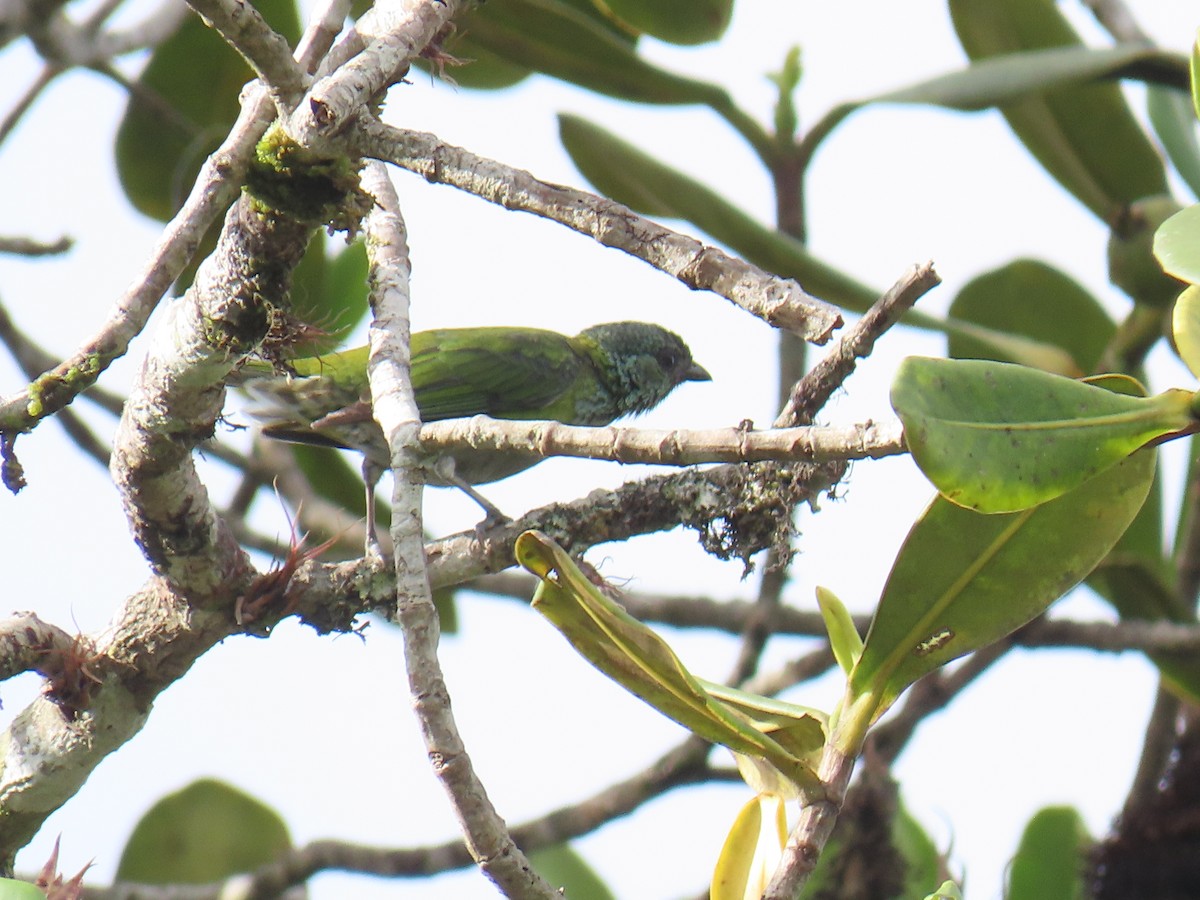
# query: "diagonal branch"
813 391
778 301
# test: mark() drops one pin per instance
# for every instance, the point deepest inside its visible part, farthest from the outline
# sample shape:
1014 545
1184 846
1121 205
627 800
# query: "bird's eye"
668 359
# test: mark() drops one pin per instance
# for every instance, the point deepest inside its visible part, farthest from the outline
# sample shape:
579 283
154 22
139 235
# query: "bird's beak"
697 372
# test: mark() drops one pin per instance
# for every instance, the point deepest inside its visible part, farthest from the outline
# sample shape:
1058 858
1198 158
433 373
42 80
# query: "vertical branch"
395 407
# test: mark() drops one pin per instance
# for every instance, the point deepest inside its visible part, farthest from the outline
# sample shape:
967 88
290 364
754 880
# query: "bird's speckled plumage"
603 373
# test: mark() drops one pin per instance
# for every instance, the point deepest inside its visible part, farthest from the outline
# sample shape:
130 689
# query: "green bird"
599 375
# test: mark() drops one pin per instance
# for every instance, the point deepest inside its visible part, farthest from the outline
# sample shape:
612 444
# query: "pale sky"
278 717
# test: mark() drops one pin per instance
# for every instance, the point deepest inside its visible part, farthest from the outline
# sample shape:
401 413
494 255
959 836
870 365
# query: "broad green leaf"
475 66
567 871
11 889
552 37
752 850
844 638
626 174
963 580
1139 581
1132 263
1177 244
205 832
1026 297
1174 121
674 21
1185 328
339 482
1084 135
996 80
186 102
330 294
1052 857
922 859
639 660
1139 591
998 438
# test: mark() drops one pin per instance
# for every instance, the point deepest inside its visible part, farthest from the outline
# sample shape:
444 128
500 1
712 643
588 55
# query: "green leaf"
997 437
1139 592
337 481
567 871
629 176
1185 328
1194 75
205 832
186 102
844 638
798 729
1177 244
1174 122
1132 263
1084 135
641 662
751 851
553 37
475 66
329 294
1052 857
1031 299
948 891
963 580
674 21
787 79
996 80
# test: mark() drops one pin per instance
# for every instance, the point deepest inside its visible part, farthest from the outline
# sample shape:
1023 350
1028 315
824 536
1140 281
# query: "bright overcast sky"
282 717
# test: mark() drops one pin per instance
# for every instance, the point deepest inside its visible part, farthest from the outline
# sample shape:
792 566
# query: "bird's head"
641 363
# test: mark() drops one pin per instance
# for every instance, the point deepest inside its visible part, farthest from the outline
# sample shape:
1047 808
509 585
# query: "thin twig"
23 246
813 391
682 765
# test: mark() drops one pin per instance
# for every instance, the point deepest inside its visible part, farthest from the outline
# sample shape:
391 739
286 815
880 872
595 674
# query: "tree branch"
395 408
813 391
265 50
678 447
778 301
391 36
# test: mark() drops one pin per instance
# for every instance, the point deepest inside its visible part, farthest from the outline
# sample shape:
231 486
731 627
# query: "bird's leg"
444 469
371 475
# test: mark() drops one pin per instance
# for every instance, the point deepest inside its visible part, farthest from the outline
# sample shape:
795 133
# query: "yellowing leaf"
751 851
1185 327
641 662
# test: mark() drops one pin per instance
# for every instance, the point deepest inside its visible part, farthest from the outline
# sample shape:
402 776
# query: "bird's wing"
504 372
